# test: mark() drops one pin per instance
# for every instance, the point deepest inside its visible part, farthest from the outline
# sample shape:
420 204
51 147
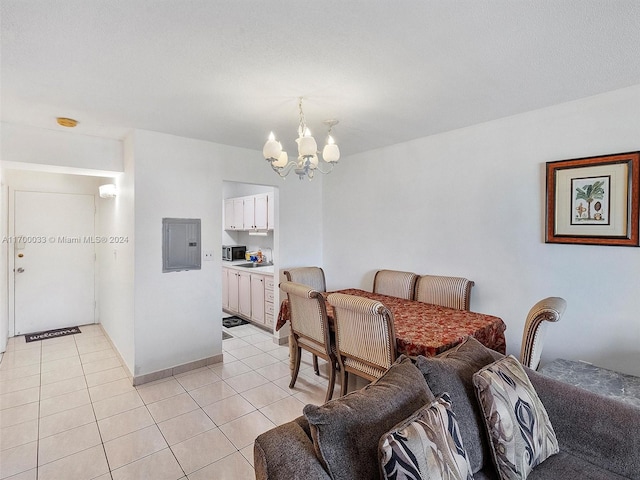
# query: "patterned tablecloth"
425 329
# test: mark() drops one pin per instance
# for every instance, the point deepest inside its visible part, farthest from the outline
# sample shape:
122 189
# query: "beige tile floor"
68 410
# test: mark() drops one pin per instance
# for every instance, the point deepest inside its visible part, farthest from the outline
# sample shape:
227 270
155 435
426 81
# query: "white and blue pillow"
425 446
520 433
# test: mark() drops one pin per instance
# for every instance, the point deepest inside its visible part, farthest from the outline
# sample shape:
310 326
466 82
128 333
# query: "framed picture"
594 200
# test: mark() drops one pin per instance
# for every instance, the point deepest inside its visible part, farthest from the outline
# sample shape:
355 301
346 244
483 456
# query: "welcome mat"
226 336
59 332
231 322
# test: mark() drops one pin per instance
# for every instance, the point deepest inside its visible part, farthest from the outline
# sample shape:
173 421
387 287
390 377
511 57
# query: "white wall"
177 315
33 146
116 264
471 203
4 270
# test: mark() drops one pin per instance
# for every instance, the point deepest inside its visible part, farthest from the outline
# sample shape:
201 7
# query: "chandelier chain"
303 121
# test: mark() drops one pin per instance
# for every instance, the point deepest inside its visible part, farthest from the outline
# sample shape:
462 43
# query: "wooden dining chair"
310 329
546 310
365 337
395 283
452 292
313 277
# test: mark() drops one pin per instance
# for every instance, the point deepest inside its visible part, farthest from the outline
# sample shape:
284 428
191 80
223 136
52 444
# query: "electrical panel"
181 249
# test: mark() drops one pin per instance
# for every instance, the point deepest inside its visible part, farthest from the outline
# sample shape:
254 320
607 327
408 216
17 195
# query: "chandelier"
308 161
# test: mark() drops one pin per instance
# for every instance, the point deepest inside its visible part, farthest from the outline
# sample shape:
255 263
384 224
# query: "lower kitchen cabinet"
257 298
268 301
248 295
244 294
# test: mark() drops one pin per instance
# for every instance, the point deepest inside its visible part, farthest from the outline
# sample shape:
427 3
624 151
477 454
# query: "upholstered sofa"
598 437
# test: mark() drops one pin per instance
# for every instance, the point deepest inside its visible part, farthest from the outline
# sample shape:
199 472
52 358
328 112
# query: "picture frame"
593 200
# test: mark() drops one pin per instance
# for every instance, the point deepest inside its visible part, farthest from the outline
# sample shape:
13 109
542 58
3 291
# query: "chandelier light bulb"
282 161
307 145
272 148
331 152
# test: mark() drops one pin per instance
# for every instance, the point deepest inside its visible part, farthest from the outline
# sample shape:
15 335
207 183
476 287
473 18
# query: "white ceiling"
231 71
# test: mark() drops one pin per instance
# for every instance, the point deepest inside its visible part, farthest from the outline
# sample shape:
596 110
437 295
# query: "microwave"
233 252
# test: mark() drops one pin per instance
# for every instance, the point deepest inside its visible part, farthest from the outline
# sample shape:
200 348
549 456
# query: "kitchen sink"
255 265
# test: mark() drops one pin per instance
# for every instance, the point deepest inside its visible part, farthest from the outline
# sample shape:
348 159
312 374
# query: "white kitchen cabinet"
233 214
268 300
248 295
225 288
228 214
257 298
271 218
230 289
244 294
248 213
261 212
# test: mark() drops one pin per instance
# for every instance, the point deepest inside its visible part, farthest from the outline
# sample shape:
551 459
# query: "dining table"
423 328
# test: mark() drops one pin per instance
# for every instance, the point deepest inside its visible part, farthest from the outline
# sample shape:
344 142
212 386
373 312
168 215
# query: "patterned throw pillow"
425 446
520 433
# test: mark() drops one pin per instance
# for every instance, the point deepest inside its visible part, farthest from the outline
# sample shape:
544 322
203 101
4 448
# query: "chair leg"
315 365
344 379
294 374
332 381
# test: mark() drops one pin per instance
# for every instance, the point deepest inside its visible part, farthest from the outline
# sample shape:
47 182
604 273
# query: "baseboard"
168 372
122 362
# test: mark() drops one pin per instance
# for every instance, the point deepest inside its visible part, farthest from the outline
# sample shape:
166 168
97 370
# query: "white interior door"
54 265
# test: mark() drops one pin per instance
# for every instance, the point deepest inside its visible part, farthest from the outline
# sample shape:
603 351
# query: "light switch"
208 256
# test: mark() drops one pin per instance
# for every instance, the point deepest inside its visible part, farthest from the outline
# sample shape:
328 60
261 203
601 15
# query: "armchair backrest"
452 292
312 276
395 283
546 310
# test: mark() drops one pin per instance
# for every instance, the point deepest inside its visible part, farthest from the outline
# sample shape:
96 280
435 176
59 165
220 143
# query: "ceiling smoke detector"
67 122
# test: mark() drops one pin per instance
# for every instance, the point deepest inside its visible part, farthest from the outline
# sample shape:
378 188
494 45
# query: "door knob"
20 270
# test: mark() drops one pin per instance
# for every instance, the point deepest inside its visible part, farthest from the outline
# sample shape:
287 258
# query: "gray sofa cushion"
346 431
564 465
287 452
452 373
598 430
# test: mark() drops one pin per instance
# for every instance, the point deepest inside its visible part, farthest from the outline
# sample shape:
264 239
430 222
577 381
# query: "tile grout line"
38 419
94 412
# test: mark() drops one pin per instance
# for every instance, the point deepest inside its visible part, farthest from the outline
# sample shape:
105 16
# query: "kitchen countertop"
236 266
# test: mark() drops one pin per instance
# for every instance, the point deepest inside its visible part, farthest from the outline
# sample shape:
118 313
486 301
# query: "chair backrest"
395 283
365 336
312 276
546 310
452 292
308 314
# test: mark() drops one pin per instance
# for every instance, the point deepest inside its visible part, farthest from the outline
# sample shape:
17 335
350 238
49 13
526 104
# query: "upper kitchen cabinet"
253 212
271 216
234 214
261 212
